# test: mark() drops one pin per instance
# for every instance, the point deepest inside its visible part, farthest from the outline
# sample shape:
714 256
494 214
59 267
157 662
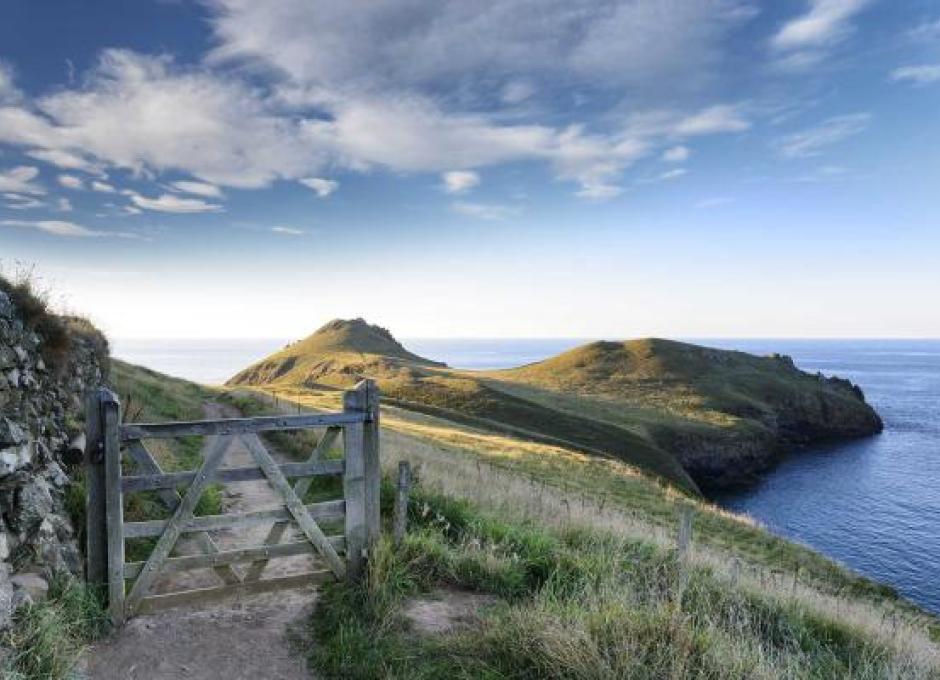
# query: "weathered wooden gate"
111 444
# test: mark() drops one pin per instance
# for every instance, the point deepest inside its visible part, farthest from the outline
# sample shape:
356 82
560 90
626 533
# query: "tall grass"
577 602
48 637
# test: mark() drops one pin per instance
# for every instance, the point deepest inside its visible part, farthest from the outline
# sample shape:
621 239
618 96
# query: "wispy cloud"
20 180
103 187
71 182
323 187
928 31
813 141
63 205
171 203
674 174
714 202
460 181
676 154
805 40
65 160
198 189
826 21
485 211
62 228
288 231
22 202
921 74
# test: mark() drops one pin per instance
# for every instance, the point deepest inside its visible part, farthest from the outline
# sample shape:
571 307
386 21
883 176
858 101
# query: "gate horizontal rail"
106 442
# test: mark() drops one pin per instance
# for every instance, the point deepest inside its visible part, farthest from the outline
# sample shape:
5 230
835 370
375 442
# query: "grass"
33 303
578 602
48 638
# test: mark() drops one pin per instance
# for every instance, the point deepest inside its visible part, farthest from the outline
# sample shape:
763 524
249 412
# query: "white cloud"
65 160
397 88
57 228
714 202
198 189
214 127
803 43
460 181
599 191
516 91
922 74
288 231
63 205
19 180
426 44
826 21
71 182
323 187
485 211
926 32
713 120
8 91
103 187
813 141
171 203
677 154
674 174
21 202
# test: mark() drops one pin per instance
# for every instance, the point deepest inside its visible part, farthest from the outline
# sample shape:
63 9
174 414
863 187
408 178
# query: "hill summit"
337 355
356 335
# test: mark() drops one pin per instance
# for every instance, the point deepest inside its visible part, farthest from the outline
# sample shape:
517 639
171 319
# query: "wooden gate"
113 448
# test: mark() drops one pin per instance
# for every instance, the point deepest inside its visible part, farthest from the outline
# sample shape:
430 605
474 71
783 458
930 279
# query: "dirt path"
247 637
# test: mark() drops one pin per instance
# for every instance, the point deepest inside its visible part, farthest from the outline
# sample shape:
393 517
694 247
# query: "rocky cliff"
46 364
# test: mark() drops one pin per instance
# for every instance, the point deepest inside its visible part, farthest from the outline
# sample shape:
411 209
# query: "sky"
445 168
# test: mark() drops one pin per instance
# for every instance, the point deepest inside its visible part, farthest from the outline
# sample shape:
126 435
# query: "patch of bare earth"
445 610
250 637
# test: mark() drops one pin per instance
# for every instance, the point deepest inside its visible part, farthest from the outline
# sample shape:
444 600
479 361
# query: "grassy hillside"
679 411
576 556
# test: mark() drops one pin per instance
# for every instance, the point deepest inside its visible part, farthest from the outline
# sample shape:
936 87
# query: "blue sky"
512 168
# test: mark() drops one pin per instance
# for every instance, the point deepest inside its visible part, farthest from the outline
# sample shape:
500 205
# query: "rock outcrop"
41 411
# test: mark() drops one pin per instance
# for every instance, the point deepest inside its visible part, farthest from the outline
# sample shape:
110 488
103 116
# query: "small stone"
11 433
13 377
21 354
32 584
6 596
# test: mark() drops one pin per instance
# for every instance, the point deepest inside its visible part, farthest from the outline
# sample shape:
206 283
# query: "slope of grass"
575 602
677 410
557 486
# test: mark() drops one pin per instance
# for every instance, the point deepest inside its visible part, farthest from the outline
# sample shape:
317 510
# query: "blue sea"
872 504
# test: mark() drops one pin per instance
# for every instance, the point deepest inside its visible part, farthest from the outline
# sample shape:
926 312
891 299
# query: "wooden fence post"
354 489
363 477
401 501
111 421
96 541
683 542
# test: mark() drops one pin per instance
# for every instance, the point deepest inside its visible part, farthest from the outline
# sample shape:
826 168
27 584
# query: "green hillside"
696 416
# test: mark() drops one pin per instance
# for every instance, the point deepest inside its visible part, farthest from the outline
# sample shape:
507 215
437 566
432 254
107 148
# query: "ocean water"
872 504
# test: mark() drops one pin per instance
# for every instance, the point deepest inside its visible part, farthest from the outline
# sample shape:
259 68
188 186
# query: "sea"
872 504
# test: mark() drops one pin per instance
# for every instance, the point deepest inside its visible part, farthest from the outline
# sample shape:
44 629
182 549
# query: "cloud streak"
813 141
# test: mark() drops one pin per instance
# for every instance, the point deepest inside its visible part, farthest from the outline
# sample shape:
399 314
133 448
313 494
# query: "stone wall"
41 411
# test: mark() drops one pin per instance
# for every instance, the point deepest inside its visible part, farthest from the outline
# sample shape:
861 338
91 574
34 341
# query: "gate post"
96 541
111 417
362 478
